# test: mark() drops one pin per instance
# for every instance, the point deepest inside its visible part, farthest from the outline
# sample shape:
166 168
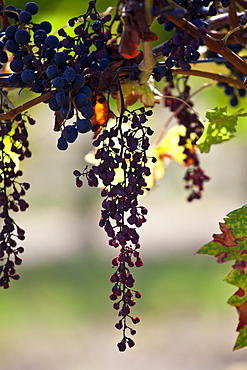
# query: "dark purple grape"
69 74
62 144
81 99
86 90
60 57
22 36
62 99
234 101
66 112
10 31
10 14
83 125
52 41
12 46
16 65
46 26
87 111
78 82
37 86
52 71
3 57
53 104
28 76
242 92
32 8
103 64
25 17
49 53
40 35
58 83
14 79
70 133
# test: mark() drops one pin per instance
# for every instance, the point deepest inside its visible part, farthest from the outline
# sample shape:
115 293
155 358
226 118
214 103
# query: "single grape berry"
14 80
66 112
16 65
12 46
10 31
52 71
62 99
46 26
62 144
78 82
53 104
58 83
60 57
69 74
81 99
87 111
32 8
28 76
40 35
84 125
22 36
86 90
52 41
25 17
70 133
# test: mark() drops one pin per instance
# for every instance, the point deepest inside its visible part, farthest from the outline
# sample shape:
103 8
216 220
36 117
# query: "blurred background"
58 316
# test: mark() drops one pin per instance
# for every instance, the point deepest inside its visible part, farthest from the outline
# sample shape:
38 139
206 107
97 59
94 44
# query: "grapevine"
101 74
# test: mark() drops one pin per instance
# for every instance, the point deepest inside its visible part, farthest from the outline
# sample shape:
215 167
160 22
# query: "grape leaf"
146 93
220 127
231 244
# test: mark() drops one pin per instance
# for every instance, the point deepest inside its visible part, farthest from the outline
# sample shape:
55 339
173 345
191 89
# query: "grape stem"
21 108
213 76
148 63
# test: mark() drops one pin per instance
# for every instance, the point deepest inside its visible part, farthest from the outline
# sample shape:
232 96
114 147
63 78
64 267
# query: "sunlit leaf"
220 127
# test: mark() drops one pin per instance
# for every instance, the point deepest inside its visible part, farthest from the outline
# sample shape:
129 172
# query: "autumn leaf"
146 94
101 115
231 244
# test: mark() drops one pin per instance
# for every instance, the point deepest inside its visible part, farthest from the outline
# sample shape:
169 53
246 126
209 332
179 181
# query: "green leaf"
241 339
220 127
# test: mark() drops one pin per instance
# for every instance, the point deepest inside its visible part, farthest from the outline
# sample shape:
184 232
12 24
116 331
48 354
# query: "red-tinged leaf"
135 29
231 244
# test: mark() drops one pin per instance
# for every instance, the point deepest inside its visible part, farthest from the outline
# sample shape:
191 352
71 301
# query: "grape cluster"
13 144
122 171
188 118
60 64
